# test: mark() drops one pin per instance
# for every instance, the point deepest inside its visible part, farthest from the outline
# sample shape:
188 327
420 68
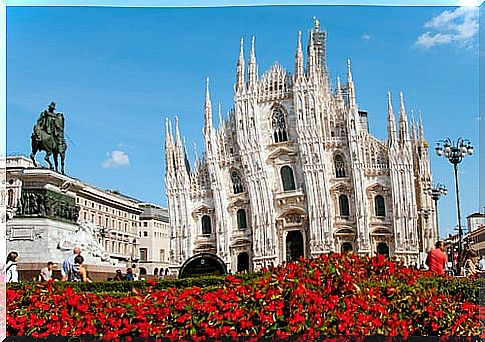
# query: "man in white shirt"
46 272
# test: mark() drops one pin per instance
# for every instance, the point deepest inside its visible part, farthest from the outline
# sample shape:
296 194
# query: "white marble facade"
293 170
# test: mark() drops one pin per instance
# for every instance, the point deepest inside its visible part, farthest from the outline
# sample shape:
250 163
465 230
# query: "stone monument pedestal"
40 239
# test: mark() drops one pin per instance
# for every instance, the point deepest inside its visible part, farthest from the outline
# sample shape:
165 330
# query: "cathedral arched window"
206 225
343 202
379 206
241 219
287 178
279 126
10 198
339 166
237 185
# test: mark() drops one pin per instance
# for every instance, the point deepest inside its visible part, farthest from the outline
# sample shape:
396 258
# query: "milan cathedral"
293 170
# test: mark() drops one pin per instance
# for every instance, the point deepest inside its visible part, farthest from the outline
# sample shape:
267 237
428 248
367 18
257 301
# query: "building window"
155 271
343 201
143 254
237 184
287 178
339 166
162 255
279 126
145 224
206 225
145 233
241 219
380 206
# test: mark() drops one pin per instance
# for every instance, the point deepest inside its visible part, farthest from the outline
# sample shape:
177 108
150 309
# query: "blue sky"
117 73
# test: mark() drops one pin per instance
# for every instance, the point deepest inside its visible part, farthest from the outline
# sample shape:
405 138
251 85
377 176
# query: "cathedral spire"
413 127
208 106
252 68
219 112
339 95
240 67
421 137
168 134
177 133
169 161
311 63
179 153
403 120
299 58
350 86
391 122
186 157
196 157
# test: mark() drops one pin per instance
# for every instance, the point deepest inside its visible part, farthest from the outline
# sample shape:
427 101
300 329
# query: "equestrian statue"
48 136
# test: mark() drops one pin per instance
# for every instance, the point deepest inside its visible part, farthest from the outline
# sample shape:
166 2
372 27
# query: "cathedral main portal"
294 246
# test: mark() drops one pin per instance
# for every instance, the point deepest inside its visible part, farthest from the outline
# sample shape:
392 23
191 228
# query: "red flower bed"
331 295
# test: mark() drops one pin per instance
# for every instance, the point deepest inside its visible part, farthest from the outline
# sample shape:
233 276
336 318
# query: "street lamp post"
455 152
436 192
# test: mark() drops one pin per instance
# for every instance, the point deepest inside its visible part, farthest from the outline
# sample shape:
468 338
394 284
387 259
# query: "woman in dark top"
78 271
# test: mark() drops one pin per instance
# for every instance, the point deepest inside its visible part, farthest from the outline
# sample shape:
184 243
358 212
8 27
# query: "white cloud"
366 36
458 26
116 159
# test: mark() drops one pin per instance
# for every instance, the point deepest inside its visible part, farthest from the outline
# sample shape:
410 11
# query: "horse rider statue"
48 136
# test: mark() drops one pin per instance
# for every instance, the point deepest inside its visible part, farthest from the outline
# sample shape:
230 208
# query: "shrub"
128 286
330 295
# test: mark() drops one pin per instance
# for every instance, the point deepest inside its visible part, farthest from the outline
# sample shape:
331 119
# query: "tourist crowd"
73 268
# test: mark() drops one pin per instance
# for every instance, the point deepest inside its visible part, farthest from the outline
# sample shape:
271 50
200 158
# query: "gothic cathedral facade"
293 170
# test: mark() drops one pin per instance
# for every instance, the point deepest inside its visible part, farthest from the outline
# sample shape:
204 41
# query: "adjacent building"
475 221
48 213
293 170
154 236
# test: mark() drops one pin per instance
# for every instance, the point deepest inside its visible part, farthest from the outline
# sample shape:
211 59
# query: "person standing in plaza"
481 264
118 276
129 275
11 273
46 272
78 272
437 258
468 260
69 263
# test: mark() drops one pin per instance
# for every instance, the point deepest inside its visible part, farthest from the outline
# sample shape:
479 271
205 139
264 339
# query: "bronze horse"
53 144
